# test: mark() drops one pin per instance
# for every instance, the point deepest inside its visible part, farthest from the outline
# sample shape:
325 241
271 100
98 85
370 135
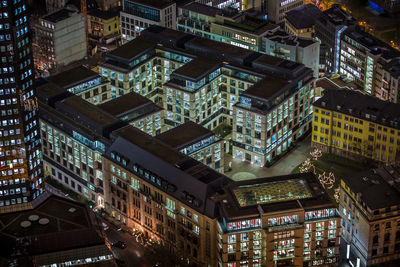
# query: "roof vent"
323 104
44 221
72 210
33 218
25 224
365 179
375 181
225 201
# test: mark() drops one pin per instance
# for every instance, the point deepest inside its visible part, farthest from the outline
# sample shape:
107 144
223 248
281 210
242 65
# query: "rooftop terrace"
269 192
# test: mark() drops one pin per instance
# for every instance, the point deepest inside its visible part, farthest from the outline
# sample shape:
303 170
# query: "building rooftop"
267 87
72 77
304 16
124 104
160 4
202 9
185 135
249 198
250 24
374 45
197 68
378 188
361 106
337 16
105 15
132 49
269 192
282 37
329 84
59 15
80 109
50 227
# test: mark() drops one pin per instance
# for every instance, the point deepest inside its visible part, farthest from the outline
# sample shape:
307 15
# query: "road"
135 254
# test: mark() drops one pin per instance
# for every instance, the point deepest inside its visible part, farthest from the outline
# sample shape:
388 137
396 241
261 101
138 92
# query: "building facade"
369 205
277 9
242 30
328 30
389 89
137 15
20 156
60 38
197 142
357 126
104 26
362 59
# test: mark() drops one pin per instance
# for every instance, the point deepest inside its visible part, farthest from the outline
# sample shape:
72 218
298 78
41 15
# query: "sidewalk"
243 170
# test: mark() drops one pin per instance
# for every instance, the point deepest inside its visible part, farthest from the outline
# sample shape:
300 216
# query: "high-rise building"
328 29
21 178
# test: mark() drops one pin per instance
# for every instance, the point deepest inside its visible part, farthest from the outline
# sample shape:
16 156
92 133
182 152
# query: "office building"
138 111
201 82
390 6
272 114
82 82
108 4
137 15
277 9
328 30
389 90
60 38
362 57
369 206
20 155
104 26
357 126
301 21
198 142
249 32
57 232
54 5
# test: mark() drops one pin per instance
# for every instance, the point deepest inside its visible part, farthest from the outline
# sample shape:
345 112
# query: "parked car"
119 244
105 226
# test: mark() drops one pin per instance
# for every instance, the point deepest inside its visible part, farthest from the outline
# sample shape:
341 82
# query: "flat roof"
59 15
198 68
106 15
267 87
124 103
155 3
133 48
150 144
269 192
185 134
362 106
73 76
66 219
202 9
378 188
80 106
303 16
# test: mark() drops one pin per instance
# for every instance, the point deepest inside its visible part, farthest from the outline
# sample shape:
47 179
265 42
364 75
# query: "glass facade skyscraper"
21 178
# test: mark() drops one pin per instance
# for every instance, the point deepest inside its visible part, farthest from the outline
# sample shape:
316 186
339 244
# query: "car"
119 244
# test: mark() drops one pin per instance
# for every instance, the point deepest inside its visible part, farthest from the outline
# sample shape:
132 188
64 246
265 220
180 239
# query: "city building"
328 30
104 26
357 126
108 4
300 225
82 82
249 32
60 38
390 87
198 142
301 21
277 9
369 206
272 114
278 43
137 15
196 79
362 57
56 232
54 5
22 176
138 111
